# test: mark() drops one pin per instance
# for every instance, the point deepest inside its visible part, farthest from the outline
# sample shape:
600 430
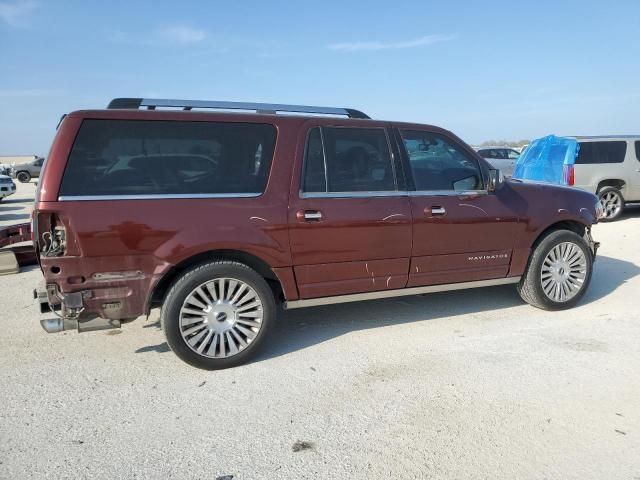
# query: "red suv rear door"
350 223
461 232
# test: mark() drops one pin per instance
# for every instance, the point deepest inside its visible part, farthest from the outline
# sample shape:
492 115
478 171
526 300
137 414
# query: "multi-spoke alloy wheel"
612 203
563 272
221 317
559 271
217 314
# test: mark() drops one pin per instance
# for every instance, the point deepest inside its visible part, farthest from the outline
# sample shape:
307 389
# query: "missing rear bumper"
69 309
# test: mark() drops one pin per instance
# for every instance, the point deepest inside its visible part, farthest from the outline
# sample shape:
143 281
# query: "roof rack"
152 104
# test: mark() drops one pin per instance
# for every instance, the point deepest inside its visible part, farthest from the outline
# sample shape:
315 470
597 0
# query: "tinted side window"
601 152
485 153
638 151
348 160
133 157
438 164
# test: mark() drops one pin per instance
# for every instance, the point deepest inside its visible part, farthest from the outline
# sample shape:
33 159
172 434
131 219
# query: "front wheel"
558 273
23 177
218 314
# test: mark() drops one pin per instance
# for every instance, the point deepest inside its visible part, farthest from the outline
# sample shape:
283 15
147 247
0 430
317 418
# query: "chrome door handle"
312 215
309 215
438 211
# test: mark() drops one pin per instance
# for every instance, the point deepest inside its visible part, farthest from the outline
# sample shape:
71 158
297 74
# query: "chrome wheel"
611 203
564 271
221 317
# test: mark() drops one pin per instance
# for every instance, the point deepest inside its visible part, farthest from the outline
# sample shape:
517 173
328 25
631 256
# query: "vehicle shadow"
15 216
160 348
630 211
608 274
17 200
298 329
4 208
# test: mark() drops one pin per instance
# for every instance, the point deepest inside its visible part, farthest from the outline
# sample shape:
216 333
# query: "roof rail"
152 104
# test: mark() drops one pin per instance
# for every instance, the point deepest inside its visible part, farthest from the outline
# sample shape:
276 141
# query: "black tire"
531 288
185 286
23 177
611 192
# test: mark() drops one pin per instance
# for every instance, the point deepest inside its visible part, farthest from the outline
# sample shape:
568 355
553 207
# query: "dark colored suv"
219 217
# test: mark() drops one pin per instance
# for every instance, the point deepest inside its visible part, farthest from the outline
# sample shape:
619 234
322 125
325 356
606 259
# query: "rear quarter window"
155 158
638 150
601 152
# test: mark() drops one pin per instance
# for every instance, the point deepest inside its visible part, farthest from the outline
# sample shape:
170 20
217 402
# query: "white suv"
610 168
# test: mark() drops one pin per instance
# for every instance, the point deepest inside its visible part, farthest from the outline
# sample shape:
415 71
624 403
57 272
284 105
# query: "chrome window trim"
388 193
400 292
395 193
447 193
169 196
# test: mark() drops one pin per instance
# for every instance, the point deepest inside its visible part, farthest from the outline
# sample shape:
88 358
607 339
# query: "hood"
556 199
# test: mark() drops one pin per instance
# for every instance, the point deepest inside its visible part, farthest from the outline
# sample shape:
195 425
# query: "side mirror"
496 179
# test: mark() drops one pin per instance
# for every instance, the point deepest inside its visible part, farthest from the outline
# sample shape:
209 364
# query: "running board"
401 292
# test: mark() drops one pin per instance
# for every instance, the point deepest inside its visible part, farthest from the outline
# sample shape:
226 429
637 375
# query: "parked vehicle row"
218 217
21 167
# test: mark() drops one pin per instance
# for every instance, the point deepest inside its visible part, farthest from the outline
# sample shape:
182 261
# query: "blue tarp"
544 160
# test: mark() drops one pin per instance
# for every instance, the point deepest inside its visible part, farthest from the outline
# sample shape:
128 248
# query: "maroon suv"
218 217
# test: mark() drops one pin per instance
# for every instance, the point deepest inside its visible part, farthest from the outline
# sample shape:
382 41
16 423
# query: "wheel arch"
575 226
161 287
613 182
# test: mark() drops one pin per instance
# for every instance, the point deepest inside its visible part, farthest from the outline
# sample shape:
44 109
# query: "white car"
502 158
7 187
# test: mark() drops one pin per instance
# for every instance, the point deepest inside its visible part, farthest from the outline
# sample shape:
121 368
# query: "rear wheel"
558 273
612 203
217 315
23 177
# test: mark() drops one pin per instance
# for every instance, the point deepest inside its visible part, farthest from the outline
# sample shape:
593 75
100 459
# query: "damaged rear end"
83 292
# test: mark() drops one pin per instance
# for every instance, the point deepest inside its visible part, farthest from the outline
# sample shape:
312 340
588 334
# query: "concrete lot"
471 384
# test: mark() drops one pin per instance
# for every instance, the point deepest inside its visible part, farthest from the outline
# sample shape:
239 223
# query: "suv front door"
461 232
350 224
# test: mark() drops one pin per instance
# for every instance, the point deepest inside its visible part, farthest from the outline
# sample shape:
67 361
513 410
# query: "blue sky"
485 70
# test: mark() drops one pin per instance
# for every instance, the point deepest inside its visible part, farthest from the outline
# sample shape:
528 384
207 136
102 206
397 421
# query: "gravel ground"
470 384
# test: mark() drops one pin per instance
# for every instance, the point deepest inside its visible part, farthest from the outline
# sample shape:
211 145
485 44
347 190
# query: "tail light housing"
569 175
51 235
